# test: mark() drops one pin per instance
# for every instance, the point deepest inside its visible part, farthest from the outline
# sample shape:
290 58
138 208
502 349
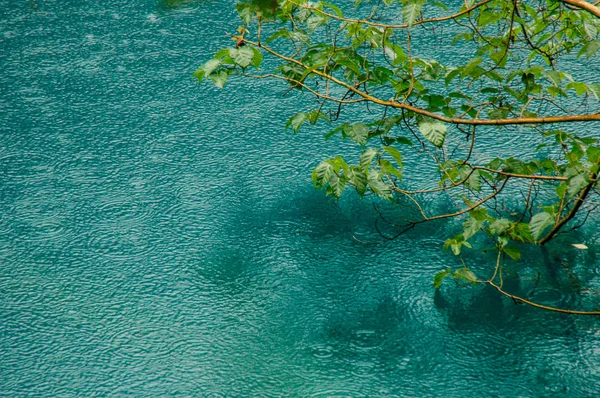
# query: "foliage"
511 76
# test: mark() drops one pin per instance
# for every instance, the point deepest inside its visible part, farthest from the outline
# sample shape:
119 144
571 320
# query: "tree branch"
578 202
518 299
584 5
423 112
388 26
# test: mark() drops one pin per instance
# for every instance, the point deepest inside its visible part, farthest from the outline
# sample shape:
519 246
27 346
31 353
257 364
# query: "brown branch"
531 44
578 202
439 189
518 299
423 112
473 168
401 26
299 83
506 48
584 5
469 208
411 66
524 176
527 200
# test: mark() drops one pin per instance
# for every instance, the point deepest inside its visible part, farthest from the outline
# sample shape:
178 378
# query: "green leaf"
314 116
336 185
434 131
339 164
403 141
219 78
516 166
199 74
335 9
521 233
499 226
439 277
411 10
242 56
245 12
379 187
440 5
322 174
452 73
478 213
539 223
489 90
593 154
210 66
470 66
387 167
577 183
257 57
561 190
310 70
358 178
474 181
381 75
488 17
315 21
499 57
282 33
436 101
580 88
223 56
367 157
394 153
300 36
395 53
555 77
591 30
589 49
465 274
296 121
471 226
594 89
512 252
576 152
456 244
358 132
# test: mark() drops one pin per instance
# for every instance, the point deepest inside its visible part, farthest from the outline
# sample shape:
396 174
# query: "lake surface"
162 238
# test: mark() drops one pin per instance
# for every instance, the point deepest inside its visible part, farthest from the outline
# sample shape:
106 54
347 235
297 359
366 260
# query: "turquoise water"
160 238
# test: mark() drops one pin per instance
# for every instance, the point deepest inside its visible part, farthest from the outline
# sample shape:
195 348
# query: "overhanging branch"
393 104
584 5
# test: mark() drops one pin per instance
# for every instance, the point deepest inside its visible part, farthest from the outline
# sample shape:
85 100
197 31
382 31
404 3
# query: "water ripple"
162 238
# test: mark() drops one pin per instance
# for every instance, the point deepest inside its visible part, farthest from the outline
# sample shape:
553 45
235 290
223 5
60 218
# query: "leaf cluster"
376 81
